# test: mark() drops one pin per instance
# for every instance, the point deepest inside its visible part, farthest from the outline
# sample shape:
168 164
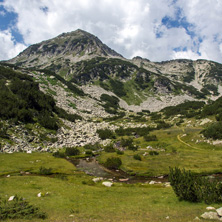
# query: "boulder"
107 184
152 182
210 208
219 211
210 215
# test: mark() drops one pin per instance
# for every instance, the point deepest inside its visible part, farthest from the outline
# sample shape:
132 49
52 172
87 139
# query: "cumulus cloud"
9 48
131 27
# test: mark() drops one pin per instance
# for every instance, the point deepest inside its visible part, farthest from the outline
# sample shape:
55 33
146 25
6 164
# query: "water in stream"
92 167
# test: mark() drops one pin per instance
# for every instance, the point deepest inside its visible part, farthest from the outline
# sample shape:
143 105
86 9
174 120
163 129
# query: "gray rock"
210 215
107 184
219 211
210 208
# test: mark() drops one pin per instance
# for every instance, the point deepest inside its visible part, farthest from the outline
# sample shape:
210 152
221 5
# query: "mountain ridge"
83 60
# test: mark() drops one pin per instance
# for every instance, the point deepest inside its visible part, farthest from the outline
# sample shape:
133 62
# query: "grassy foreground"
73 197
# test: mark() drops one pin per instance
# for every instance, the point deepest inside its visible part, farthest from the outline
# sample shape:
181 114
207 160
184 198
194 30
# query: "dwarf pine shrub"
190 187
18 208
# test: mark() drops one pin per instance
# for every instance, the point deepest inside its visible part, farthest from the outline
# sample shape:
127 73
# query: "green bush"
18 208
59 154
89 153
113 163
148 138
126 142
109 148
95 146
119 152
3 132
45 171
133 147
213 131
153 153
133 131
72 151
105 134
137 157
190 187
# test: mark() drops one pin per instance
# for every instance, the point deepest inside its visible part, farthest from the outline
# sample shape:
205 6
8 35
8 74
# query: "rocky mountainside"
85 62
90 85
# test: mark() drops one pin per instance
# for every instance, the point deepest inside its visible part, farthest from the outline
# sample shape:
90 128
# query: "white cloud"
9 48
185 55
128 26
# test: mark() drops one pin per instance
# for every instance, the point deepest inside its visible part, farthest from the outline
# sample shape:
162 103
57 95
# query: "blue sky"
154 29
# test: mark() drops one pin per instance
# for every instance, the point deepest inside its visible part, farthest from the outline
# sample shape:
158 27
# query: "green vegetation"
148 138
70 85
18 208
137 157
113 163
21 100
72 151
45 171
187 109
111 103
213 131
105 134
133 131
109 148
190 187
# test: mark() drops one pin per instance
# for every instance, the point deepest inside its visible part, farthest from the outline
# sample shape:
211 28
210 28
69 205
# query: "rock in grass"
152 182
219 211
210 208
97 179
39 194
210 215
107 184
11 198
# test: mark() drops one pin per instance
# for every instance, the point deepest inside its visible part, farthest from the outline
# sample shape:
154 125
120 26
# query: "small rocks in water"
11 198
107 184
210 208
219 211
210 215
97 179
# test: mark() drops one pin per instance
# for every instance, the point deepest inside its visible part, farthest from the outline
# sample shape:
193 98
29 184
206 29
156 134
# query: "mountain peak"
67 48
